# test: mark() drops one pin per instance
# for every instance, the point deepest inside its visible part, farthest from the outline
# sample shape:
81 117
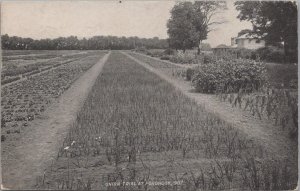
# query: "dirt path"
261 131
39 144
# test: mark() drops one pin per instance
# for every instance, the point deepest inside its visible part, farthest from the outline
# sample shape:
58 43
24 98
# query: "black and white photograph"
149 95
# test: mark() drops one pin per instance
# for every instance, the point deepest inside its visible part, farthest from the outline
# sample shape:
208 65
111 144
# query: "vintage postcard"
149 95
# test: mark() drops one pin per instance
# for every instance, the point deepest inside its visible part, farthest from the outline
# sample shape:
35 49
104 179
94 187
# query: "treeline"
73 43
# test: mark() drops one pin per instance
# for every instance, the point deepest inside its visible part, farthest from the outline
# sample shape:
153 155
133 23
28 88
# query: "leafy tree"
203 22
5 44
274 21
191 22
245 31
205 47
180 26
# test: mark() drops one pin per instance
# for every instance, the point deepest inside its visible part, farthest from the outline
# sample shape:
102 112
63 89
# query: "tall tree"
203 21
274 21
180 26
191 22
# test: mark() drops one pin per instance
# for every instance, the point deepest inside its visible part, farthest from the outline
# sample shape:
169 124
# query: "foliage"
180 26
189 73
141 49
183 58
189 23
277 105
274 28
267 54
294 83
19 70
23 101
209 58
155 52
169 51
271 54
73 43
229 76
165 57
14 67
281 75
184 73
205 47
244 31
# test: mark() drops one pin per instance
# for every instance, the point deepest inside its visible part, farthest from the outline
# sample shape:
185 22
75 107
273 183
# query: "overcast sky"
45 19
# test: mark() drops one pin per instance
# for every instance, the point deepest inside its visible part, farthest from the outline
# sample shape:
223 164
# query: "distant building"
221 49
247 41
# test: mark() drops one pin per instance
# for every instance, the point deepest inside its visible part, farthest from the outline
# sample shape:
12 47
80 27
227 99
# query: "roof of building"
222 46
249 36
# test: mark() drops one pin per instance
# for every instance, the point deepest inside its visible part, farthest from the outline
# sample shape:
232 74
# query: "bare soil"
27 158
272 138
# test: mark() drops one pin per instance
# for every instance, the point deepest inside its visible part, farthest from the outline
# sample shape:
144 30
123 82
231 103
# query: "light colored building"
247 41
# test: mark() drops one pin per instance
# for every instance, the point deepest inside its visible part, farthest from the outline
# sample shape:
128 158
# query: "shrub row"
267 54
271 54
229 76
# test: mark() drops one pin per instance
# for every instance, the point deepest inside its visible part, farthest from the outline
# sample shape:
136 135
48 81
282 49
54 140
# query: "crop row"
34 54
11 69
22 102
24 72
135 127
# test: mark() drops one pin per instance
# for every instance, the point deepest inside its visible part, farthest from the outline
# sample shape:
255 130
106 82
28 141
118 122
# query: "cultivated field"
20 66
276 102
28 97
137 131
138 128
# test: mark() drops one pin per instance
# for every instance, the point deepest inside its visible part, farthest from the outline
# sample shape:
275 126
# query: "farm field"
150 96
137 131
20 66
278 74
24 101
275 104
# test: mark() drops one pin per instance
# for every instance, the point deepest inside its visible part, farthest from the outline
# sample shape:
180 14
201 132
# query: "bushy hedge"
189 74
170 51
165 57
229 76
185 73
183 58
271 54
